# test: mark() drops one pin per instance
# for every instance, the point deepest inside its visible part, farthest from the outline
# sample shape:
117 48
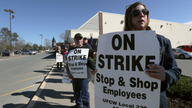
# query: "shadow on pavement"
49 105
47 69
55 94
38 82
41 71
11 105
49 65
28 94
51 56
55 74
53 80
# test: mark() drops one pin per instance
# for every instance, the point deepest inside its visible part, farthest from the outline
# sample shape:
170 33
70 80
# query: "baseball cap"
70 40
85 38
78 35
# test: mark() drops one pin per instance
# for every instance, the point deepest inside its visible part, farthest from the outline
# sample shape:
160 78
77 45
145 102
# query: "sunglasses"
136 13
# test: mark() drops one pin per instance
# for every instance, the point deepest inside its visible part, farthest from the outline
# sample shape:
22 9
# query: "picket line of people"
80 85
136 18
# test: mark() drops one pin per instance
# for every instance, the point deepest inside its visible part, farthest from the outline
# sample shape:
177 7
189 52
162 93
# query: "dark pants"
59 63
81 87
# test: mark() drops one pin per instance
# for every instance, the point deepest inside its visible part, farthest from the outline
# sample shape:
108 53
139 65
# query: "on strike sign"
59 57
77 60
121 82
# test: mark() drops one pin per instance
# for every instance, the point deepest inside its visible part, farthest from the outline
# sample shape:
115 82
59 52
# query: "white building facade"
103 22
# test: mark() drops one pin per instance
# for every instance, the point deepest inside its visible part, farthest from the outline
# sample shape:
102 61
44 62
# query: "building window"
121 22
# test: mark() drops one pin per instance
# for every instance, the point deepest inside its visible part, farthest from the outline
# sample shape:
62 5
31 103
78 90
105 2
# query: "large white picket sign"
59 57
121 82
77 60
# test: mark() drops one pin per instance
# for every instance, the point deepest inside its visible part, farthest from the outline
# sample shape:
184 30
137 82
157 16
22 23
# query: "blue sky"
53 17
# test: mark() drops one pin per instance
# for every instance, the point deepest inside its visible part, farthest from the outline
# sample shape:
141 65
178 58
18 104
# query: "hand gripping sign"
77 60
59 57
122 58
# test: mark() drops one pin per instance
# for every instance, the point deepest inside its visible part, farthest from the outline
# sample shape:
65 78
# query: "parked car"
25 52
180 53
186 47
40 51
32 52
17 52
47 50
5 53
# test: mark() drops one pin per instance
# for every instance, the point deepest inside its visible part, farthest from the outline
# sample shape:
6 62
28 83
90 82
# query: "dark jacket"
87 46
173 72
90 41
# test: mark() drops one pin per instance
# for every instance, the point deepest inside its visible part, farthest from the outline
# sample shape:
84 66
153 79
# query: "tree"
27 47
62 37
4 39
14 38
40 47
47 43
20 43
35 47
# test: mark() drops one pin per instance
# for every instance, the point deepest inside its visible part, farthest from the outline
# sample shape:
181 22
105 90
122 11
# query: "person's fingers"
154 66
155 74
159 76
93 72
154 70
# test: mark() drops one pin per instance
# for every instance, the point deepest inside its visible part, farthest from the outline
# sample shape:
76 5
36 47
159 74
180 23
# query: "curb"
32 102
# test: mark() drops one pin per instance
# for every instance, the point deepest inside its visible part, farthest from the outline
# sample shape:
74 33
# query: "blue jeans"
81 93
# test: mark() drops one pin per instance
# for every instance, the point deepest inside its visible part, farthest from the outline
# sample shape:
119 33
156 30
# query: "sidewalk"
54 94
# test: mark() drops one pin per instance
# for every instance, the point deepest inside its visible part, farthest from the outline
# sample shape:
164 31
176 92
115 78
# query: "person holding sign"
137 18
58 53
80 85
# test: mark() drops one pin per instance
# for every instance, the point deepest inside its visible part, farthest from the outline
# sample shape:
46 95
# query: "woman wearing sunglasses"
137 18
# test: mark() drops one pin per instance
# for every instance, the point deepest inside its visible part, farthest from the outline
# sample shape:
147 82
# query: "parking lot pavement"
186 66
8 57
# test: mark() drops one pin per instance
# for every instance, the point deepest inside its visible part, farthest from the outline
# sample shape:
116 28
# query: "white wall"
176 32
179 34
91 24
112 22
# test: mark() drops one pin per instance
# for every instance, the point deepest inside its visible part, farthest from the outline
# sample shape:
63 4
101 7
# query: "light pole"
41 39
10 11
